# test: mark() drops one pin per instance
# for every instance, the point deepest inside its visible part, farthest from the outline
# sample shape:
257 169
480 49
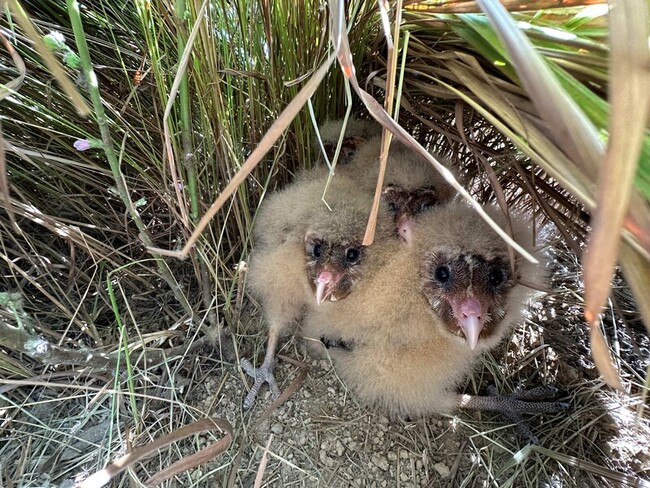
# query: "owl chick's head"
467 275
333 248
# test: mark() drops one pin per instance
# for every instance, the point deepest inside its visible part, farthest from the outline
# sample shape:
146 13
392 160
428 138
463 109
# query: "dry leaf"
602 357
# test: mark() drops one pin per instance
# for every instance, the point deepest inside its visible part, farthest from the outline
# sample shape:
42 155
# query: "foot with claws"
515 405
263 374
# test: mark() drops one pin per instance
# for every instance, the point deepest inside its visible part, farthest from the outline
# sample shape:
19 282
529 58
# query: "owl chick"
415 330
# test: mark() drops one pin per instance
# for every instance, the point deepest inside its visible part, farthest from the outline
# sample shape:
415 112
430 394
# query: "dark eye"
352 255
316 250
496 277
442 274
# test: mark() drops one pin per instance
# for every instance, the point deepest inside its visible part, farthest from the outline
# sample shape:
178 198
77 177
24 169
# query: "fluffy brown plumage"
360 160
404 168
357 133
407 337
411 184
307 253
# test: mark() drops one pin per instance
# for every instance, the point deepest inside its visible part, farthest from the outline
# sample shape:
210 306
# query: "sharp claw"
250 399
526 433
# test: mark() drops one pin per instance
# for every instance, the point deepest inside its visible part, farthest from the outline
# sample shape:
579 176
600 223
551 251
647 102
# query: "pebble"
339 448
325 459
380 462
277 428
442 469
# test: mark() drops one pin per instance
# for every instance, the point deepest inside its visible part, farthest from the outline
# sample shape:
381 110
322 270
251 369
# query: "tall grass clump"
122 122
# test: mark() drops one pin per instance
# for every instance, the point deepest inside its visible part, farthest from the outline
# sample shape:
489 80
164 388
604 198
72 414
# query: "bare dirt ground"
322 437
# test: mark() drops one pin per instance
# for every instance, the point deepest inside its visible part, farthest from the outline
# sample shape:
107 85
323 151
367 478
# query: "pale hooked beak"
324 279
405 228
470 316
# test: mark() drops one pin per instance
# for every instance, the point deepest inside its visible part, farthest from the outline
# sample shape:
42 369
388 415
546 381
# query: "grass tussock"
106 347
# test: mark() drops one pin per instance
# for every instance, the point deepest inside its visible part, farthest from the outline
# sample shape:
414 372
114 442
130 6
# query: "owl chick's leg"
513 406
263 374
